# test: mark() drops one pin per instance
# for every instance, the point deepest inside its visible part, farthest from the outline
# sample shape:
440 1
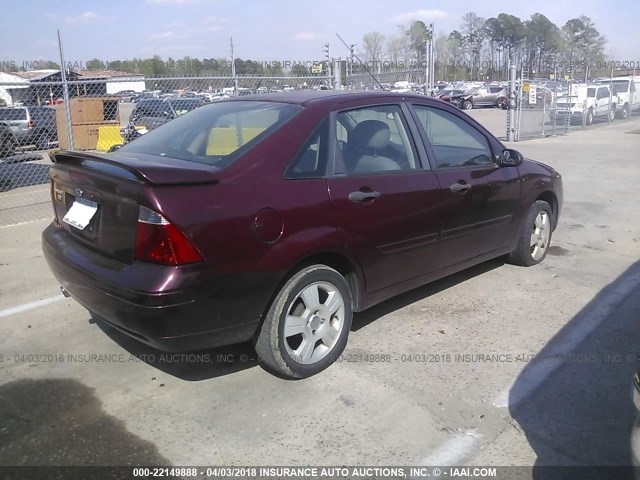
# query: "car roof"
323 97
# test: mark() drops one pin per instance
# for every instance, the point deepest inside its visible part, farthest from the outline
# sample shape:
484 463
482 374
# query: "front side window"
214 134
373 140
455 143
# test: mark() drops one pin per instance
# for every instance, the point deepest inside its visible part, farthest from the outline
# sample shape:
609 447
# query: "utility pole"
352 54
327 55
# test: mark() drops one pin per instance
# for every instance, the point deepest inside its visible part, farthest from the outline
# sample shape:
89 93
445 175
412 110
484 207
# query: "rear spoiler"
153 169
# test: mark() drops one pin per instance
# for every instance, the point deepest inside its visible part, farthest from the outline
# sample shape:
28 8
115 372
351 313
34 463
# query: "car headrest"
372 134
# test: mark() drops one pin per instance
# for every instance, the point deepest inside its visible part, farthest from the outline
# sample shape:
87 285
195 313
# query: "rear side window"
215 134
9 114
311 161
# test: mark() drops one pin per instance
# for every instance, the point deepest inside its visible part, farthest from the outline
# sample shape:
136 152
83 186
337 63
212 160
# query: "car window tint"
374 139
311 161
455 142
215 134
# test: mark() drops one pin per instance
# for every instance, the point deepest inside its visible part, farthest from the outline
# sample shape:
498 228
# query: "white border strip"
30 306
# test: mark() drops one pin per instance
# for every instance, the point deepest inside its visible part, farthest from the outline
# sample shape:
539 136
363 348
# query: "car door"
385 198
480 97
602 101
480 200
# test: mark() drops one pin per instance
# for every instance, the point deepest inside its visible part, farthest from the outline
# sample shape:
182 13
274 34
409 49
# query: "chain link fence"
34 118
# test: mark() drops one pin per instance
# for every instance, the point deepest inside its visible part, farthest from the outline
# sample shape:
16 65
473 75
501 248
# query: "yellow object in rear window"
226 140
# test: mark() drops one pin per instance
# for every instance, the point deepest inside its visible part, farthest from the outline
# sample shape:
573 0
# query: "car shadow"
573 400
362 319
60 422
220 361
189 366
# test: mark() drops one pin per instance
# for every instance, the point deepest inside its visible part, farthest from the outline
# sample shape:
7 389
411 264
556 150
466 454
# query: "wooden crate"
87 115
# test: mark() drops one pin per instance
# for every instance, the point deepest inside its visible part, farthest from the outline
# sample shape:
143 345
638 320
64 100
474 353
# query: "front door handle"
360 196
460 188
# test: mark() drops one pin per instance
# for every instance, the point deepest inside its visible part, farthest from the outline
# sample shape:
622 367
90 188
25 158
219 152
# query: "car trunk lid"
112 187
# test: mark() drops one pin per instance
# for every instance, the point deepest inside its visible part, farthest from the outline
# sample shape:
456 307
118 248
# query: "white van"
627 89
587 101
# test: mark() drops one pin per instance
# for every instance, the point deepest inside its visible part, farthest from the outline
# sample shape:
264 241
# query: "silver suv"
31 125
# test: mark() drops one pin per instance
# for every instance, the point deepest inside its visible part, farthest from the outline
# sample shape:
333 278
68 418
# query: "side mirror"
510 158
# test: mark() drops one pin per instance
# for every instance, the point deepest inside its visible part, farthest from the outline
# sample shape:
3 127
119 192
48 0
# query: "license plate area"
81 213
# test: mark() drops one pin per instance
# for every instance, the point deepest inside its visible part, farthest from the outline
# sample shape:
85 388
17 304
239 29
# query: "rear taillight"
30 124
158 241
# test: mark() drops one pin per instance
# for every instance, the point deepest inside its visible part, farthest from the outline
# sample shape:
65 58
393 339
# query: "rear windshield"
214 134
591 92
13 114
182 106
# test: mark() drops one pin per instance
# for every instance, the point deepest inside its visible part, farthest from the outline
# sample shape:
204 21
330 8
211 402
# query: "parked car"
127 95
584 102
448 94
7 141
274 218
153 112
31 125
481 97
627 91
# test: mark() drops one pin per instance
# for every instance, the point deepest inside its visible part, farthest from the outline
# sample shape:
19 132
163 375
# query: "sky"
274 30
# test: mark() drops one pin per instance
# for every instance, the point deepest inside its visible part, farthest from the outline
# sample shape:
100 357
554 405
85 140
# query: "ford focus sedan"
273 219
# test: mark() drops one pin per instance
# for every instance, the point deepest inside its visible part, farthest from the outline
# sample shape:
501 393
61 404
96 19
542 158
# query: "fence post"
337 75
553 113
65 95
544 110
512 98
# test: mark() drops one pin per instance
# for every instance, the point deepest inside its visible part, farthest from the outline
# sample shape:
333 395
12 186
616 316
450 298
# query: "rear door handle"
460 187
360 196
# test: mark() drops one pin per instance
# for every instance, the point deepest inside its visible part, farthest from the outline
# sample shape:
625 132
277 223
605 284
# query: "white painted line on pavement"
30 306
454 451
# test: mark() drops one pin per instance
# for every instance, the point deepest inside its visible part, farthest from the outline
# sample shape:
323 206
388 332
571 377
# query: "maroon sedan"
273 218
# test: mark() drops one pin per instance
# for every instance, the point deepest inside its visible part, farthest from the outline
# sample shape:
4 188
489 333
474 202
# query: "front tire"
307 325
589 119
467 105
534 236
8 148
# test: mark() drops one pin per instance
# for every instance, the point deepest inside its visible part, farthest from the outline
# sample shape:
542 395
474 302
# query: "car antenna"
361 63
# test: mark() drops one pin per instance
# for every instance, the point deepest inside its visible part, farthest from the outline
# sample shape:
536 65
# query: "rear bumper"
170 308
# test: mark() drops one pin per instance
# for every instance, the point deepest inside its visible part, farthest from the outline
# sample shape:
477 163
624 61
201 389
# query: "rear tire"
501 103
534 236
624 114
43 141
307 325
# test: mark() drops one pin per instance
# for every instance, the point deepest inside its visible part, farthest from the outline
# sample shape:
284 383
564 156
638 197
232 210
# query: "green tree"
543 38
300 70
373 43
